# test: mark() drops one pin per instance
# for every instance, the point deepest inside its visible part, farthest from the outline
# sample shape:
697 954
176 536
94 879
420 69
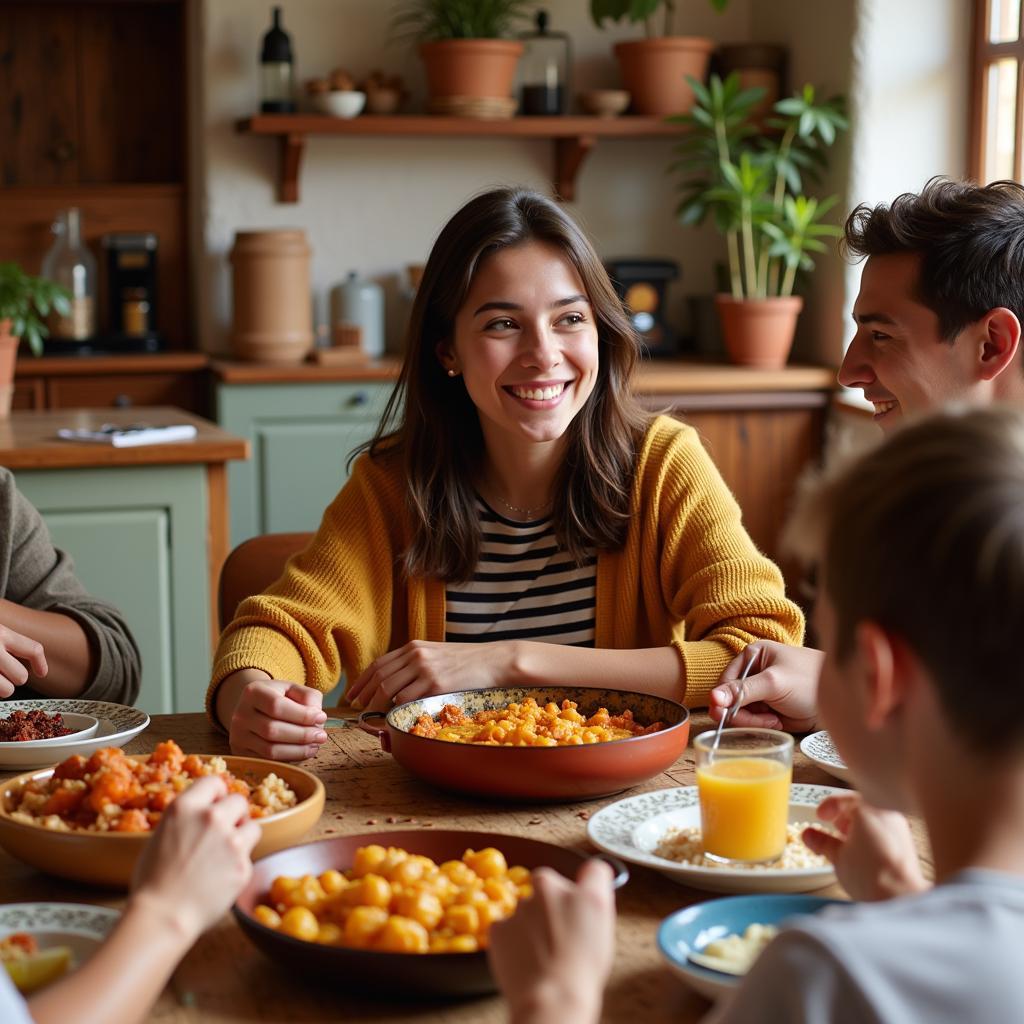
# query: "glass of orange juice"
743 786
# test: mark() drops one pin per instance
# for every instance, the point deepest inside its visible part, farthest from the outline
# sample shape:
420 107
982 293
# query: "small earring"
452 373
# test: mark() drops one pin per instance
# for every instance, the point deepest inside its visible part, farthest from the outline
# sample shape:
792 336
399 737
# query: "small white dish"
340 103
818 747
81 726
77 925
632 829
116 725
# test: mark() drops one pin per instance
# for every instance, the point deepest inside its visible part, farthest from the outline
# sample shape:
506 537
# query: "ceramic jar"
273 315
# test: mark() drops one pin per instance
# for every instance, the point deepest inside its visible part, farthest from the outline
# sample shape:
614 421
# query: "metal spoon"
735 706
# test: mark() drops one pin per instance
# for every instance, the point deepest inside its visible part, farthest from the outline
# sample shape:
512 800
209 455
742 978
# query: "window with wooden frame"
997 114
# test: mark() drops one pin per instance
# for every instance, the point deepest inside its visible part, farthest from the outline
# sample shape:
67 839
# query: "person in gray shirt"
920 550
56 639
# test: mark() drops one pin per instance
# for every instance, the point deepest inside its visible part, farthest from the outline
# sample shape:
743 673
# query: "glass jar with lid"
544 70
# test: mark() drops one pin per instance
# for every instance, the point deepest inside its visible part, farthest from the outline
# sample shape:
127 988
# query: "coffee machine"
131 292
641 285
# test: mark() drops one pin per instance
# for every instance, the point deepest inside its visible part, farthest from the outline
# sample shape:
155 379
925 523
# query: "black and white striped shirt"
524 588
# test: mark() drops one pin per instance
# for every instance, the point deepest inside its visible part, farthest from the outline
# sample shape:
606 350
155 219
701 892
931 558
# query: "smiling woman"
517 519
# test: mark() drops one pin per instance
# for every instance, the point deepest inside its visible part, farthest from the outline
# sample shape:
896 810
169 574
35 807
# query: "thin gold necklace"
519 510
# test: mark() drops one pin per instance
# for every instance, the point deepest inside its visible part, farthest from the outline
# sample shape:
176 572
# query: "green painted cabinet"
301 435
138 537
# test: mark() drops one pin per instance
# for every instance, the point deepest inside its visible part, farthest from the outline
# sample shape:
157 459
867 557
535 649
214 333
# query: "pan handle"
380 731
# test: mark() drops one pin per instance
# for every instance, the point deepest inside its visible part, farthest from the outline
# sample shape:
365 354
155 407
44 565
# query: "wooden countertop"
653 377
28 440
91 366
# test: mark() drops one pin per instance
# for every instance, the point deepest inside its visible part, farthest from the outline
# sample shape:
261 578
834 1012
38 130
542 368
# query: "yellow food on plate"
394 901
29 966
737 953
527 724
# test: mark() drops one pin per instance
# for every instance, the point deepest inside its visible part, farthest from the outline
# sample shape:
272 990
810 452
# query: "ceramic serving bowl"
81 726
341 102
689 930
404 974
108 858
604 102
535 773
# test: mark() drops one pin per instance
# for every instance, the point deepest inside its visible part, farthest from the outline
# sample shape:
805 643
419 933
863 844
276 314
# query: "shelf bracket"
292 146
569 157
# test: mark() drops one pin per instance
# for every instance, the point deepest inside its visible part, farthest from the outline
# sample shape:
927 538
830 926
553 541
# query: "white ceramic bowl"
81 726
339 103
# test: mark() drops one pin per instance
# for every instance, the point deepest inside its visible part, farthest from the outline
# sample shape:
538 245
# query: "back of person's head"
970 240
433 423
924 536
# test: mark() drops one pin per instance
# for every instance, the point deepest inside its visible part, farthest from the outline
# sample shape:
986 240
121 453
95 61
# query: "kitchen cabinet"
76 382
302 425
146 528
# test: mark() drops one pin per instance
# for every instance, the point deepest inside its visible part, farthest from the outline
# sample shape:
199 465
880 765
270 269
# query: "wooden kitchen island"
147 528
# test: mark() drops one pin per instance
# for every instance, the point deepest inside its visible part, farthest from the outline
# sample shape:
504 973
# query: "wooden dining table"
226 979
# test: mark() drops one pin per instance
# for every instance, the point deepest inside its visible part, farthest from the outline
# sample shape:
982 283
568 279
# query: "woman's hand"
15 651
197 861
874 856
552 957
780 691
423 667
276 719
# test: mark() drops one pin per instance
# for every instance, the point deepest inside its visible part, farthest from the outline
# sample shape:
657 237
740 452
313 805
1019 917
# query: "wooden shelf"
573 137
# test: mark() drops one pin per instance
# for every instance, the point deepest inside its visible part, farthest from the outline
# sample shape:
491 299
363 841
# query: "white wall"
374 205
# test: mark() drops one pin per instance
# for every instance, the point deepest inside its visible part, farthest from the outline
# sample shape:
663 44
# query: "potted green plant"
751 181
470 66
655 69
25 301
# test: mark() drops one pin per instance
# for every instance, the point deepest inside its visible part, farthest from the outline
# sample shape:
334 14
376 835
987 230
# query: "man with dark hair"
941 298
939 318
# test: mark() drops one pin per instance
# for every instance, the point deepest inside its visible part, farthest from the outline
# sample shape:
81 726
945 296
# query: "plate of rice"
661 830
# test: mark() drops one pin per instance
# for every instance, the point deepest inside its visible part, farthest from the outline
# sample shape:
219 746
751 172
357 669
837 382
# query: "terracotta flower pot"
477 68
759 332
8 357
654 71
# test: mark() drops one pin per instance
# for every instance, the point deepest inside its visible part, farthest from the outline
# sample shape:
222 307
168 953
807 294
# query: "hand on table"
553 956
780 691
198 859
421 668
279 720
15 651
875 856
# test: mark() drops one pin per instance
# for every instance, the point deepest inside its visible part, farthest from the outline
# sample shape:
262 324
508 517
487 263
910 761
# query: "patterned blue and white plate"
77 925
634 827
118 724
818 747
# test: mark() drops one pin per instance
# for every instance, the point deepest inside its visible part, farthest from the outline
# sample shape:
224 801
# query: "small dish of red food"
40 727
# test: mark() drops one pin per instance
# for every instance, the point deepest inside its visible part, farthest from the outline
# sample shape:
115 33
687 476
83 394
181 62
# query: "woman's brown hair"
431 424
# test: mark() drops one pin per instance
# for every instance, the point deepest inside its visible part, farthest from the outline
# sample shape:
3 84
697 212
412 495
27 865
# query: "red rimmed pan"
360 973
535 773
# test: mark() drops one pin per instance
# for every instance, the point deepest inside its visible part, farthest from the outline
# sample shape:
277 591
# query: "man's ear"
998 342
884 675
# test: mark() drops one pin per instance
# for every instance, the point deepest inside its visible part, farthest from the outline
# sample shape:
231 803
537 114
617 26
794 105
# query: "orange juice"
744 807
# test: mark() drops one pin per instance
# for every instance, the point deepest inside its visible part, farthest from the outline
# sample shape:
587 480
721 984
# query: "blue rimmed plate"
689 930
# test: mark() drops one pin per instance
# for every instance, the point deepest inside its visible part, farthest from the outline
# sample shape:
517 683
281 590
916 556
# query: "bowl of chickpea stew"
88 819
604 741
406 911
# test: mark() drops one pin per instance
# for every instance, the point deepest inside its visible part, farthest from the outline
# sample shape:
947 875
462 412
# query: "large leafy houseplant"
26 301
470 66
644 11
751 180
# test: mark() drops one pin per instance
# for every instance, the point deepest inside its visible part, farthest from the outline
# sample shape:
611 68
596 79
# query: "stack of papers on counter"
130 435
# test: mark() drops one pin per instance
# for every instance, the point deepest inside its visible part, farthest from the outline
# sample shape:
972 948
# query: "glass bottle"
544 70
71 264
277 94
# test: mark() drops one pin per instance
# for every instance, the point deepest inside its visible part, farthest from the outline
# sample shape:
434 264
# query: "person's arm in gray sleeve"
88 648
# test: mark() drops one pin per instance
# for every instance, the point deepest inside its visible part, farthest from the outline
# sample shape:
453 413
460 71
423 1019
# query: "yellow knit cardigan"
688 575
